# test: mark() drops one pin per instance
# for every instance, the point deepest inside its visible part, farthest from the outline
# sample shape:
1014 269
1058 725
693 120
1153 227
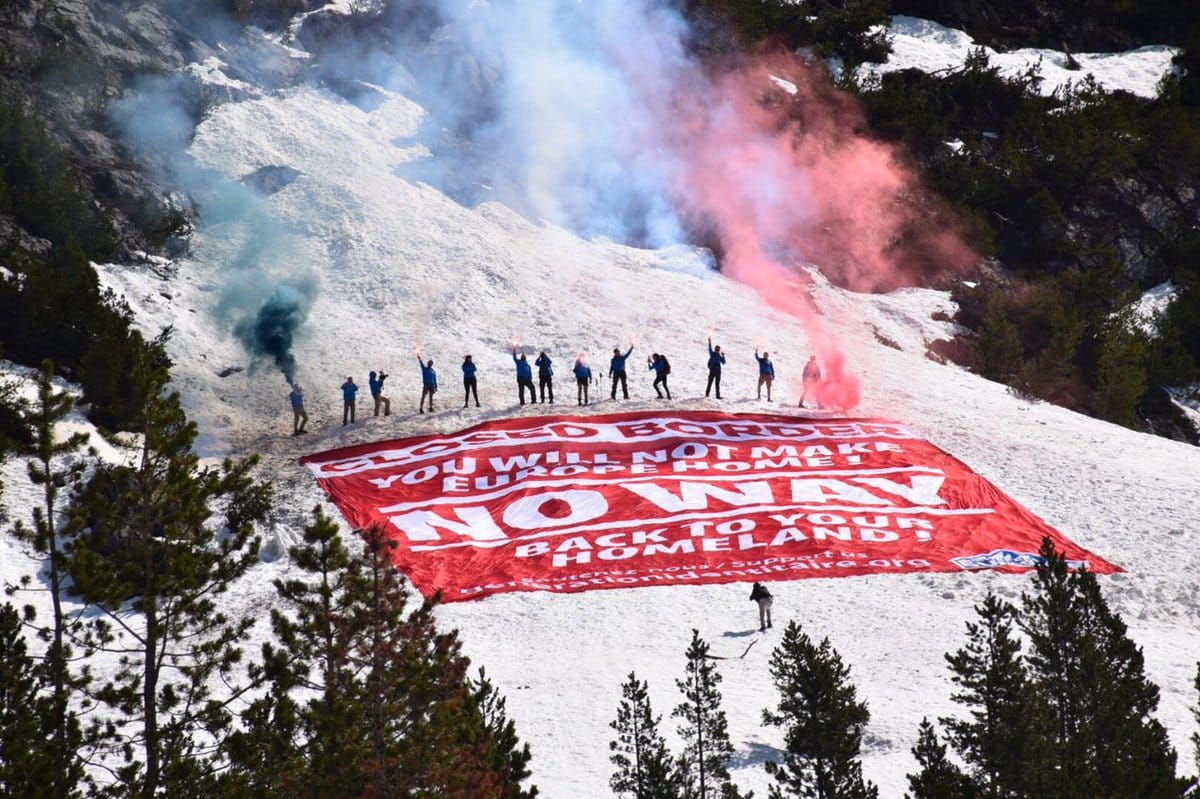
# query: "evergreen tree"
822 721
1001 736
701 769
28 755
644 766
938 778
145 541
390 710
45 469
1090 677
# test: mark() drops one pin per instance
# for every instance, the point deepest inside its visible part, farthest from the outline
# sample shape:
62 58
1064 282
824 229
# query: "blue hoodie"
428 375
583 371
659 367
349 391
524 370
376 384
765 367
617 365
543 365
714 360
468 370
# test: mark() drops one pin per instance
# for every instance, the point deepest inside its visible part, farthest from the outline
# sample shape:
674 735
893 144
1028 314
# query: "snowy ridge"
400 265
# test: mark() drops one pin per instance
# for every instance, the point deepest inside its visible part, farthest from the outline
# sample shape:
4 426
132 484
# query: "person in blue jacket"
545 376
375 383
349 394
716 359
766 373
428 383
469 384
524 377
299 417
661 368
583 378
616 370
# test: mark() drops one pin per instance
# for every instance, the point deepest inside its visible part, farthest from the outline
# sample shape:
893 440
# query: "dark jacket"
765 367
428 375
660 367
617 365
524 370
468 370
812 371
349 391
583 371
376 384
759 592
715 359
543 365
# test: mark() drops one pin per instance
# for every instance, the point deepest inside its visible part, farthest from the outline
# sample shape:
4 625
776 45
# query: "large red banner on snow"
578 503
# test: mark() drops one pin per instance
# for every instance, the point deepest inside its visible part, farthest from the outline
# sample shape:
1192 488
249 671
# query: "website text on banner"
634 499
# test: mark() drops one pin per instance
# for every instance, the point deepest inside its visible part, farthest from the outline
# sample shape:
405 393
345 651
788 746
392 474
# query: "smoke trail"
599 119
264 298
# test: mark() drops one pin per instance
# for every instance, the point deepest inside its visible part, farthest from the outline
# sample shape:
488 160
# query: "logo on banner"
573 504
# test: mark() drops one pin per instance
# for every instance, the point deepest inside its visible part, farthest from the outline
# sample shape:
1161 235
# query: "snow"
400 265
929 47
1151 305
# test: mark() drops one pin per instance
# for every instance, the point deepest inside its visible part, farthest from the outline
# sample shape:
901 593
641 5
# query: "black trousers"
526 383
582 399
714 378
546 384
662 380
471 385
619 377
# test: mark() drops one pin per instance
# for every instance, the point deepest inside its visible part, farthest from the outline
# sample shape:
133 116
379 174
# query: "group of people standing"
617 374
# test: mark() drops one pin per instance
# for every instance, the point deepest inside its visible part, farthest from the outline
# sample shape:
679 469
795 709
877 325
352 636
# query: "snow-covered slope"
401 265
930 47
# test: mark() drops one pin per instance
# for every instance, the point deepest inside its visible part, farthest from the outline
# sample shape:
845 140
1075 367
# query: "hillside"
399 265
311 202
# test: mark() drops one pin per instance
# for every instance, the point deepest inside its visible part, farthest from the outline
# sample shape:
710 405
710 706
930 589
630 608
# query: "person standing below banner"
811 380
469 384
716 359
349 398
766 373
428 383
616 370
524 377
545 376
661 368
376 386
762 596
583 378
299 417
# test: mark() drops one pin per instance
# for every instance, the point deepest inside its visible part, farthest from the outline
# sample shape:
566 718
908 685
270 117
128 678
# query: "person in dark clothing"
766 373
428 384
376 386
661 367
545 376
299 417
762 596
524 377
616 370
583 378
811 380
349 395
469 384
716 359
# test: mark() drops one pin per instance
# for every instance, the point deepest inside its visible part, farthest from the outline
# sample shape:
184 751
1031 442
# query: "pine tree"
938 778
701 769
28 755
145 541
1091 678
822 720
366 697
42 419
644 765
1002 735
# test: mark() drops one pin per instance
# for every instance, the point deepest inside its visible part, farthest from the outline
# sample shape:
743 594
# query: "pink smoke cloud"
780 178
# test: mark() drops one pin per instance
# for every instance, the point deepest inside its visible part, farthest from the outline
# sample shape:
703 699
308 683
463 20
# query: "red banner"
579 503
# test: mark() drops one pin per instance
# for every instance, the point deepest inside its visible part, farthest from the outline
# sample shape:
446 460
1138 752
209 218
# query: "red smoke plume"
780 177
